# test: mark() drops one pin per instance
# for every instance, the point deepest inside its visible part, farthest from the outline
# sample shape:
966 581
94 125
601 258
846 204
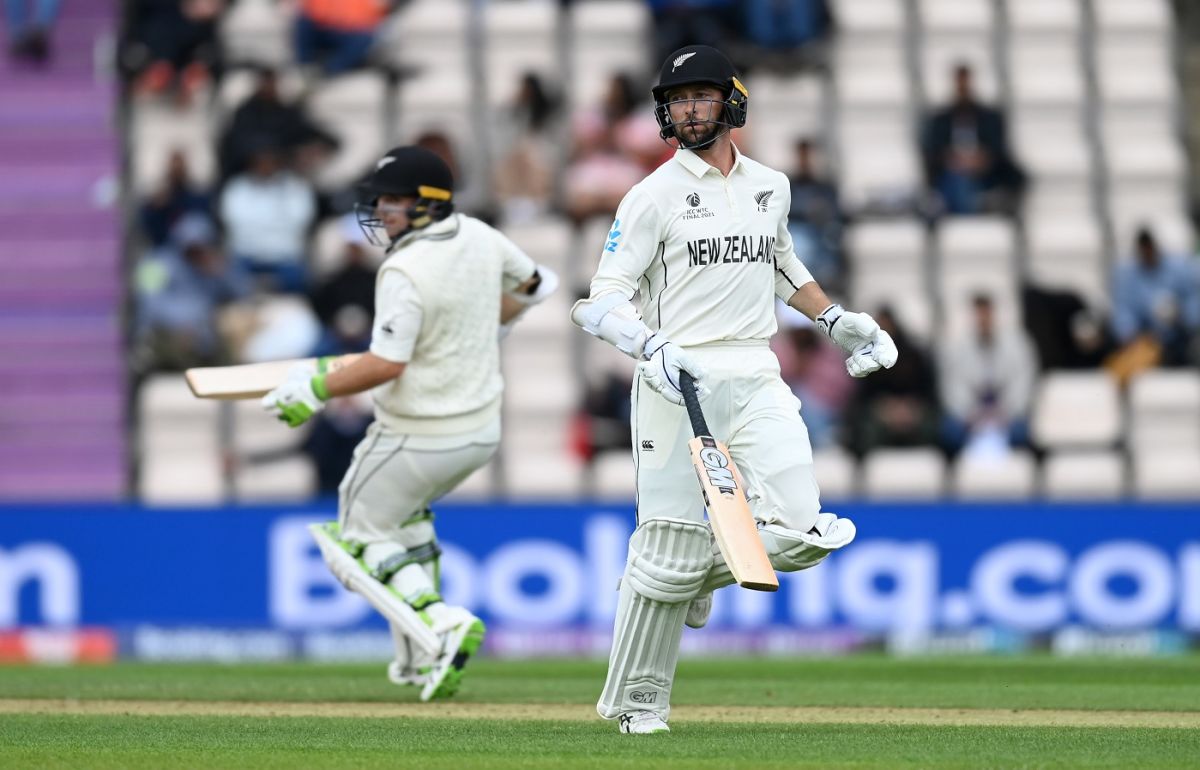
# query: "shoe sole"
469 645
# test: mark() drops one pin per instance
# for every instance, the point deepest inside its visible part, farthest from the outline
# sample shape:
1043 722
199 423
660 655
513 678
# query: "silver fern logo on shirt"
763 199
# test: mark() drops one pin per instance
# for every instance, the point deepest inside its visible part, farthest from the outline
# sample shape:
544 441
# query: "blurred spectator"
265 119
816 372
967 158
175 198
815 221
337 34
172 43
267 213
896 407
29 23
525 174
603 423
345 304
470 190
615 145
785 24
1156 297
690 22
179 290
987 383
634 130
1068 334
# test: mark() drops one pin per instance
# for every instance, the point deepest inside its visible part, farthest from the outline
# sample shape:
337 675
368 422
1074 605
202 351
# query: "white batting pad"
352 575
668 561
789 550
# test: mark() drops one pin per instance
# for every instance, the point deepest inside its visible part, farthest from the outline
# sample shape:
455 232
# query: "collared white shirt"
708 253
399 312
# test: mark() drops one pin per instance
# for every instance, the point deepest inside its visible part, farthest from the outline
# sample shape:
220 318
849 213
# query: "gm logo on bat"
716 464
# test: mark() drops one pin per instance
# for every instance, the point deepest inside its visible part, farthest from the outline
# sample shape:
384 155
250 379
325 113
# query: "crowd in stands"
206 250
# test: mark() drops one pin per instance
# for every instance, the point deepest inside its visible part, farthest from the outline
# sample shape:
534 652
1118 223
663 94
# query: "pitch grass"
296 743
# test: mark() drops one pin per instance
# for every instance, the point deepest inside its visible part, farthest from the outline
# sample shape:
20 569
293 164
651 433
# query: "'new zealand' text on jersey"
707 253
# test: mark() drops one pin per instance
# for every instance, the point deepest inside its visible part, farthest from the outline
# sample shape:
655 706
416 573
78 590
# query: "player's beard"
705 132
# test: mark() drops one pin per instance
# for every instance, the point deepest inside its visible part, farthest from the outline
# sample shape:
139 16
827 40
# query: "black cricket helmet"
700 64
408 171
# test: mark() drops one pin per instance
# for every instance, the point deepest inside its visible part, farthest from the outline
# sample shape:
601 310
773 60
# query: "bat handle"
692 402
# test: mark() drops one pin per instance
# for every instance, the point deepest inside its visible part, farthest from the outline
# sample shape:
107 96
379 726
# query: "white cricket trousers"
754 412
393 478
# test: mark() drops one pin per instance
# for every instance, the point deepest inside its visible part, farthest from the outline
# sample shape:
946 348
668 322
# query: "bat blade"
245 381
729 514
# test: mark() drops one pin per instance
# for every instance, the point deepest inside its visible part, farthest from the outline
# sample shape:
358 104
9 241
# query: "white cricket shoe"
699 610
459 643
403 675
642 723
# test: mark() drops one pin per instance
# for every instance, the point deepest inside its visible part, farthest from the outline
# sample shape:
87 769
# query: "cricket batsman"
448 284
704 239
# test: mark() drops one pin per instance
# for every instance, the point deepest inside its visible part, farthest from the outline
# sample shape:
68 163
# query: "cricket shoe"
459 643
698 610
403 675
642 723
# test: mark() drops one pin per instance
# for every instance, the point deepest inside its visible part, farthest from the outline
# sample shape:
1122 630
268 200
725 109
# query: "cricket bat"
231 383
725 498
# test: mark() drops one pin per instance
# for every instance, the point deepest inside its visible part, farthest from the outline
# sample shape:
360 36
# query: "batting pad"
789 550
354 576
668 562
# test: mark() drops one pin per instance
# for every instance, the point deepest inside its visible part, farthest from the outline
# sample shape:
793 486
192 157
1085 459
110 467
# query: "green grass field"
861 712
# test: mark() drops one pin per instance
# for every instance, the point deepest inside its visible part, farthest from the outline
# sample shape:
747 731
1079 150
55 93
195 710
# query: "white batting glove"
869 347
663 360
297 399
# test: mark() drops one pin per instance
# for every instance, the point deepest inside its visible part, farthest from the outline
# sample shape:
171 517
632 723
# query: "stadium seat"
904 473
1044 19
547 241
613 477
1076 410
1084 475
157 128
879 243
836 473
540 377
1068 252
1011 476
870 19
1139 22
427 31
521 38
290 479
550 475
1164 411
257 32
1048 78
986 240
609 36
353 107
1167 474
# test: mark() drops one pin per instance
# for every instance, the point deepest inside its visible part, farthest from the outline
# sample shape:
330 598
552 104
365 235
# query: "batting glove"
870 347
663 360
301 395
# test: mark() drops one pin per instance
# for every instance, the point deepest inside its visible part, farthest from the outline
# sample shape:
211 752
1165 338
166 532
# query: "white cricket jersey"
708 253
441 315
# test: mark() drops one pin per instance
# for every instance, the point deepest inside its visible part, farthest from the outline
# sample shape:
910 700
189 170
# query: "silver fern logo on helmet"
679 60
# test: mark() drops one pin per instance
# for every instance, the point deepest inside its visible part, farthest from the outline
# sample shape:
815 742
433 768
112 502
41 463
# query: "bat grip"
692 402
